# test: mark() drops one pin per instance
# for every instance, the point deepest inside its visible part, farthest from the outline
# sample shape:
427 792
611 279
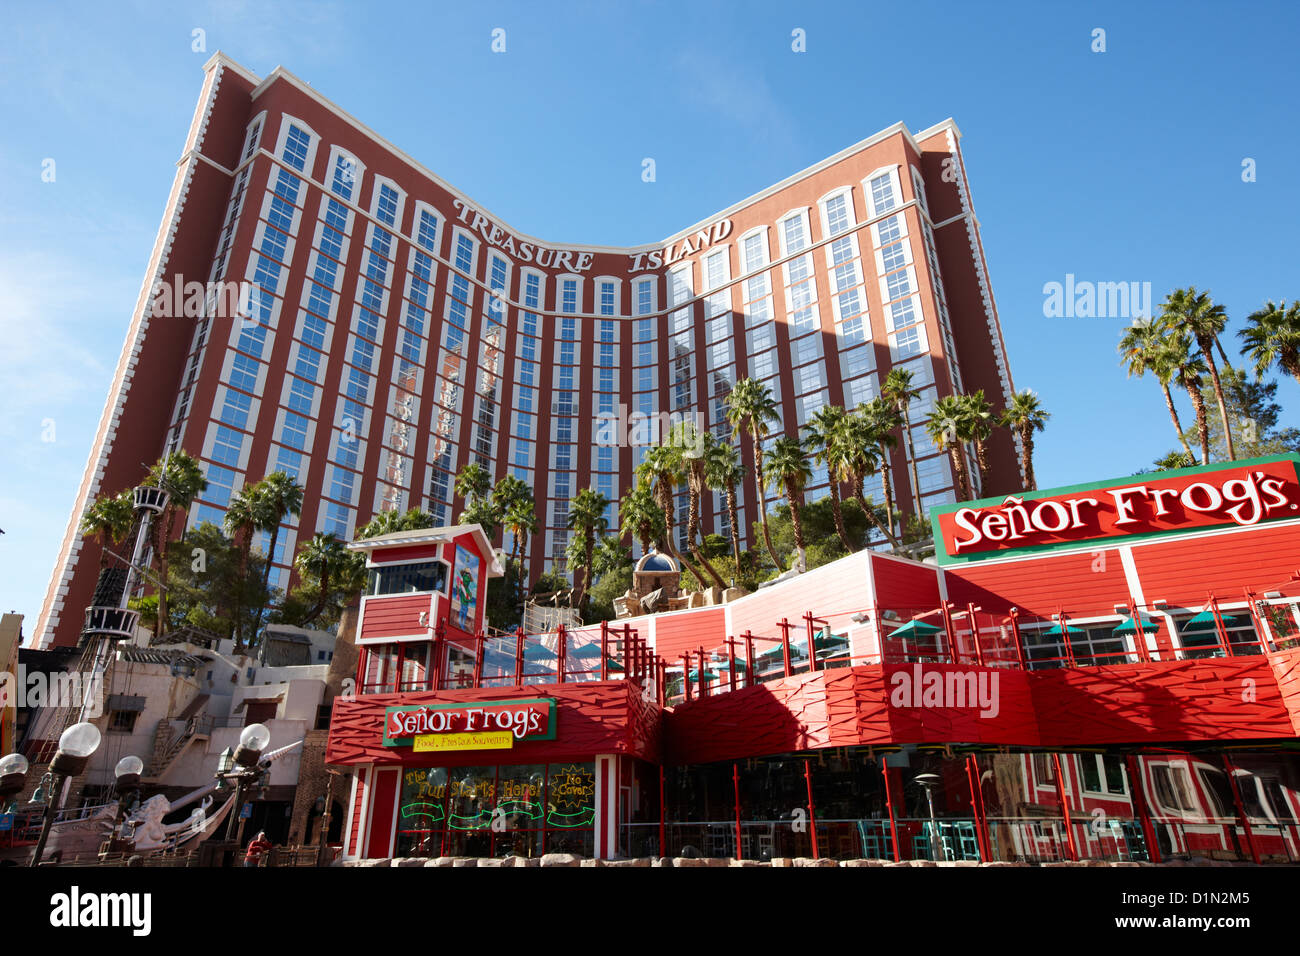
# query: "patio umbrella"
1130 626
1055 631
825 639
538 652
915 629
1205 622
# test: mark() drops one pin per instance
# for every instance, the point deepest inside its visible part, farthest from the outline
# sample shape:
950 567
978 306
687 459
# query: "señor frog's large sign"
1242 493
474 724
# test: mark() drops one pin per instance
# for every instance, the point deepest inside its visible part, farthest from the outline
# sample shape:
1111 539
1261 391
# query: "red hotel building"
1109 671
400 331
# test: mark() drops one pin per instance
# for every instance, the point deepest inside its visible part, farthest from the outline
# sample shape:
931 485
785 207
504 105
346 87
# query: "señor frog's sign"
486 721
1243 493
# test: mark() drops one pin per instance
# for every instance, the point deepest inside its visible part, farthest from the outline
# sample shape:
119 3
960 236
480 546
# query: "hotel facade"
385 330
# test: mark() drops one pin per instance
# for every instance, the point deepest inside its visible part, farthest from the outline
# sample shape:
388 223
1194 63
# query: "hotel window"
716 271
837 212
907 343
296 146
569 295
918 186
890 230
883 191
252 140
608 297
645 296
1103 773
860 391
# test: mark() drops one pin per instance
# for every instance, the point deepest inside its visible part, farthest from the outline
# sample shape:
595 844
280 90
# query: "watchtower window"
408 578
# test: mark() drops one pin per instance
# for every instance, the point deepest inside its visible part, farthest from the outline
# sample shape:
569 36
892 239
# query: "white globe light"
255 737
80 740
128 765
14 763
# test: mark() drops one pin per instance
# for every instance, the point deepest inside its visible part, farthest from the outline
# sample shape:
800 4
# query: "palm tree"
662 470
979 426
724 470
824 430
520 519
246 513
787 467
1189 374
109 518
1196 313
387 522
898 392
692 445
1024 416
946 427
1273 335
180 475
881 419
858 455
473 483
281 496
324 558
750 408
587 516
1142 347
642 518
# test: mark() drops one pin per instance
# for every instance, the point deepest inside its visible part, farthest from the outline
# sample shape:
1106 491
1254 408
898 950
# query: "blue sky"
1116 166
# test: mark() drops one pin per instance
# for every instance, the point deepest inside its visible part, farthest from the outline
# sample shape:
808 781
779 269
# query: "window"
123 721
408 578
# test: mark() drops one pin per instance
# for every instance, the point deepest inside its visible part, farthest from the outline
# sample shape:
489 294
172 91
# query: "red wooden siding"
395 616
354 835
1184 572
687 631
411 552
1131 703
1085 584
905 584
382 797
839 588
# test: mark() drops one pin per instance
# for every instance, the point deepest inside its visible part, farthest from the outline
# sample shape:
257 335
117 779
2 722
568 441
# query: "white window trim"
282 136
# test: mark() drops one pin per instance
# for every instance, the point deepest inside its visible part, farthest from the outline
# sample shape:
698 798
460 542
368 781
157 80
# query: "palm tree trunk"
860 495
796 524
160 625
762 504
734 518
838 514
1027 456
321 600
1202 424
1178 426
887 486
692 532
911 453
959 469
982 460
666 503
266 574
239 588
1207 345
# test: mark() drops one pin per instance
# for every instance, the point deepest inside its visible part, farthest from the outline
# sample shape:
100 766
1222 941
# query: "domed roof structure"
656 563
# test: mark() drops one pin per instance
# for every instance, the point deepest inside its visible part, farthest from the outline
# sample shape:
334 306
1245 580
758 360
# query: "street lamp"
127 785
76 744
242 767
13 776
929 781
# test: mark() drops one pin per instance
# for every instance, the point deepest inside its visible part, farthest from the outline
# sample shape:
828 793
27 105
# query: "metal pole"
1065 636
812 644
975 634
785 643
562 648
1015 636
47 818
812 810
735 785
604 650
946 608
889 806
1219 627
663 848
1241 809
1065 807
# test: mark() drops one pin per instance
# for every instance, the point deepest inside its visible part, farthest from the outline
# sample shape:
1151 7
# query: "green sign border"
945 559
407 741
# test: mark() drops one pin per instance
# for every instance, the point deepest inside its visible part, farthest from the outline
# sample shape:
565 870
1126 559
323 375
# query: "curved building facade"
362 325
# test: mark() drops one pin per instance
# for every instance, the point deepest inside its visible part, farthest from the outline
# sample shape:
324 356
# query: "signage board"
491 740
531 719
1241 494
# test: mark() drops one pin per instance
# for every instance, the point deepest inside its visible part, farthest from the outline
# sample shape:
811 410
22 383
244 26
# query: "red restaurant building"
1104 671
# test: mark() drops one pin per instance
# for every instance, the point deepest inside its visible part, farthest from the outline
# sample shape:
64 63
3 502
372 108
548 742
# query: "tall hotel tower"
399 330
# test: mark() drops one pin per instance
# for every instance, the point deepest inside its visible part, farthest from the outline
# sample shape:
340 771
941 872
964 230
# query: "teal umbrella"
1055 631
538 652
1205 622
708 675
825 639
585 651
916 629
1130 626
725 664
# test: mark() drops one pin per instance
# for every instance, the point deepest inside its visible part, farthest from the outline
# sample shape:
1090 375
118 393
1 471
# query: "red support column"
1140 637
604 650
946 610
439 653
812 810
1219 628
1137 788
1015 636
785 626
562 649
704 683
1065 807
975 633
478 660
812 643
977 808
1241 809
750 673
686 675
1065 636
731 661
735 786
519 657
1260 631
889 806
663 849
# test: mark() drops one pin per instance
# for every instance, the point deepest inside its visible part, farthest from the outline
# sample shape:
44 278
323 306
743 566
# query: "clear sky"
1123 165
